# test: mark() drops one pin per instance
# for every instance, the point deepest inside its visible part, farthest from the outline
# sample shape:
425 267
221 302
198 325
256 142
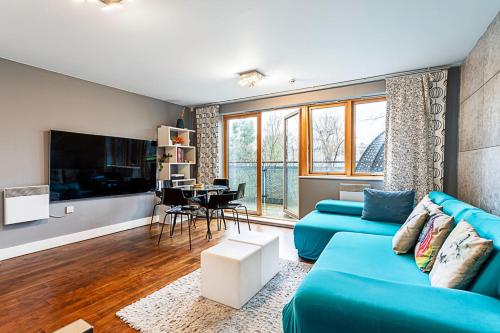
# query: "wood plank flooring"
92 280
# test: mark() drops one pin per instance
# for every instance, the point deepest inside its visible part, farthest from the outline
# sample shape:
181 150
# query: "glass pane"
292 164
272 162
242 157
369 136
328 139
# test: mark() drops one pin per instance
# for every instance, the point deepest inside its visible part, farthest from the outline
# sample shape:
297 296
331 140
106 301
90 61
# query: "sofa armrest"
344 302
340 207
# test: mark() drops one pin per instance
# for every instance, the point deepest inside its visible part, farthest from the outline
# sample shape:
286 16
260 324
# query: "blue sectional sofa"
358 284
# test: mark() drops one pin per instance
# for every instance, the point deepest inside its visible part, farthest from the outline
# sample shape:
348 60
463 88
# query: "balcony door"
291 164
242 156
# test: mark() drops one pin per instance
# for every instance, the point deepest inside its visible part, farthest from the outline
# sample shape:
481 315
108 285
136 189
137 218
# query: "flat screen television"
90 166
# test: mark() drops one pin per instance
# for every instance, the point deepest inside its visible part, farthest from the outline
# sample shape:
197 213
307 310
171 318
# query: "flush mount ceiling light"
109 4
250 78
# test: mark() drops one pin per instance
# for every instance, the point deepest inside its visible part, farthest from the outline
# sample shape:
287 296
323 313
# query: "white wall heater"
352 192
24 204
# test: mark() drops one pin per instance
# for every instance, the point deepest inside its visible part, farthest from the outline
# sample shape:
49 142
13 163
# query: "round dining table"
205 191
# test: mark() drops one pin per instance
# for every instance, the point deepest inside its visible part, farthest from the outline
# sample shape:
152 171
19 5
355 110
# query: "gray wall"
479 124
34 101
314 189
345 92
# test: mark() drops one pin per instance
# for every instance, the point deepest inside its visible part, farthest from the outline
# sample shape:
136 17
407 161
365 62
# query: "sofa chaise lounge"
358 284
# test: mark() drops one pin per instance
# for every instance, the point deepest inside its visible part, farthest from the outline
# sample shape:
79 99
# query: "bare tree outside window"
328 139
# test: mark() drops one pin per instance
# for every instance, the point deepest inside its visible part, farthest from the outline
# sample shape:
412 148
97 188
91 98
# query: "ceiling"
189 52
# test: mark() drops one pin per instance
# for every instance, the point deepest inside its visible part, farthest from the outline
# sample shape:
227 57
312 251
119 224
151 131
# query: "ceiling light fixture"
109 4
250 78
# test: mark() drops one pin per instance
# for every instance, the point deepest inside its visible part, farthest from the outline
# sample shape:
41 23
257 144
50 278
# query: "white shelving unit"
183 156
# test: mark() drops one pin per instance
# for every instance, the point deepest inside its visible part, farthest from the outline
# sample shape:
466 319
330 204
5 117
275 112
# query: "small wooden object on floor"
79 326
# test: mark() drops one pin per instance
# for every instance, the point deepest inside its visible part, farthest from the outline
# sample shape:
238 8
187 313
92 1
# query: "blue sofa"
358 284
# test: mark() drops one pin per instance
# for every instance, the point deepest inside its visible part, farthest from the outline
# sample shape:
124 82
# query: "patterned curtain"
437 95
207 143
414 141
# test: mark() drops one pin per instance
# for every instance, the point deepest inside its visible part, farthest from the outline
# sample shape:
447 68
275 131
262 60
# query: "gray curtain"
414 140
207 143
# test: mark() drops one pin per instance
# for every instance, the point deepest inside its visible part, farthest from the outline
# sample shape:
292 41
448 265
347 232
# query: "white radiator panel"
352 192
24 204
351 196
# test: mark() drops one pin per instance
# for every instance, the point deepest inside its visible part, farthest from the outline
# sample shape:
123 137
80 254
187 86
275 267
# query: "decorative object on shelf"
178 140
180 155
180 120
176 176
164 158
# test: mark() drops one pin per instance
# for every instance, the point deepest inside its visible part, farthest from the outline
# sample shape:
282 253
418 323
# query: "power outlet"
70 209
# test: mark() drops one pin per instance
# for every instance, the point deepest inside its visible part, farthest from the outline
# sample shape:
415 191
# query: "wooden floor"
94 279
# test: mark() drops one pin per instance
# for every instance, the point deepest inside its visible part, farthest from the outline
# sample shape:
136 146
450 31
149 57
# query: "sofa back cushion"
340 207
487 282
388 206
457 209
487 226
439 197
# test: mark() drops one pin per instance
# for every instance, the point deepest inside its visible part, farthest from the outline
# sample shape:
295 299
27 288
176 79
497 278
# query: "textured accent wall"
479 123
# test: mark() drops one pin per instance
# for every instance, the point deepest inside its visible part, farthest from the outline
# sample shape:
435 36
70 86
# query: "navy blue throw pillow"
388 206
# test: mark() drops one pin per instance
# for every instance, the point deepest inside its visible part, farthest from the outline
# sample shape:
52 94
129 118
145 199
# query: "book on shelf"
180 155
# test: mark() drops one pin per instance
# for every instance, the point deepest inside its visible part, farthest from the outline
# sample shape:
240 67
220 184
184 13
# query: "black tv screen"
89 166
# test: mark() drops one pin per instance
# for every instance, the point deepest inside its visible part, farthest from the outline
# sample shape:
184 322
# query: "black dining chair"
159 197
216 204
235 204
221 182
179 206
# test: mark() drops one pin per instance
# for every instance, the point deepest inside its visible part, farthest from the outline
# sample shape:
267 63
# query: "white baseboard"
45 244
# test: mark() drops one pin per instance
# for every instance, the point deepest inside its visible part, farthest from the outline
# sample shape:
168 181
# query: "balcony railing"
271 177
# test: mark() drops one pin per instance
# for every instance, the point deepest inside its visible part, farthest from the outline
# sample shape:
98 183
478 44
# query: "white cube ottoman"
270 255
231 273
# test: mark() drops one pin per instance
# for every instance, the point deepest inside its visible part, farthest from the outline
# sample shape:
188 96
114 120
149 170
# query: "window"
347 138
369 130
328 139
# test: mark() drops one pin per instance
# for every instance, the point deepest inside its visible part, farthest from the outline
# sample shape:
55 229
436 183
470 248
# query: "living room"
284 166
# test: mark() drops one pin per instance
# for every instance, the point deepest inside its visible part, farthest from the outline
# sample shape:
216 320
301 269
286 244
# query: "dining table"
201 196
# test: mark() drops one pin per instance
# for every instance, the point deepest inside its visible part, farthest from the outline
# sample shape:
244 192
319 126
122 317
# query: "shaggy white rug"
179 307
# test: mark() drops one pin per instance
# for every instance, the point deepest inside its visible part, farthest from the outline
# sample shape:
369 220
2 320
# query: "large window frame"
349 142
305 142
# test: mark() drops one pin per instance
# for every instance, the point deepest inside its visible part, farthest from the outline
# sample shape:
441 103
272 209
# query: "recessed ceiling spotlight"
250 78
292 81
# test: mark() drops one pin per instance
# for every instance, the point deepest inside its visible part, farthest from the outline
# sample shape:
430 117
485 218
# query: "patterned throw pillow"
427 205
406 237
431 239
460 257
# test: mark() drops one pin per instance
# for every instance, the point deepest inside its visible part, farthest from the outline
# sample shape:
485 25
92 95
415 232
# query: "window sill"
340 177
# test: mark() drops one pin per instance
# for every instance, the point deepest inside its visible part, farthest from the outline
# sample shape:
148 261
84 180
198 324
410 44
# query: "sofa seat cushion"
314 231
330 301
370 256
